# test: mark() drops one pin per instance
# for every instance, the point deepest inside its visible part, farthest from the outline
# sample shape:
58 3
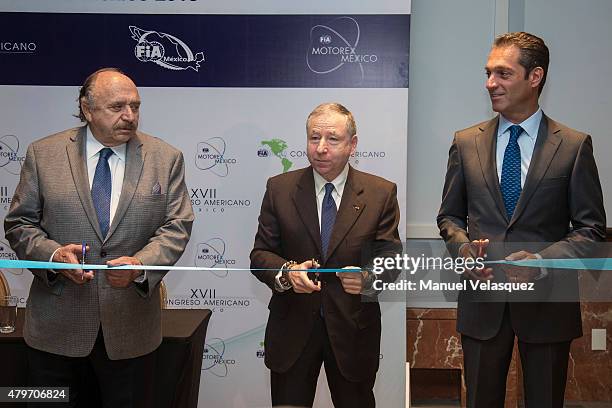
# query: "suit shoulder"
290 177
372 180
566 132
474 129
156 144
57 138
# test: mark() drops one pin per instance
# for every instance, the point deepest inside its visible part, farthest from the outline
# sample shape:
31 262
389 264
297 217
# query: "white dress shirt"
526 142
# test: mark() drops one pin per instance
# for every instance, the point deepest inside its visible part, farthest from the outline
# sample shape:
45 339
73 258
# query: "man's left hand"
352 282
121 278
520 274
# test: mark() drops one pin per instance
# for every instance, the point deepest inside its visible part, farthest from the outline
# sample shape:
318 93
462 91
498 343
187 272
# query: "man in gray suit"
521 186
123 193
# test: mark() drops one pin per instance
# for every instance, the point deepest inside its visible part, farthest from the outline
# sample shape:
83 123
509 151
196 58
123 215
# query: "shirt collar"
530 126
93 147
338 182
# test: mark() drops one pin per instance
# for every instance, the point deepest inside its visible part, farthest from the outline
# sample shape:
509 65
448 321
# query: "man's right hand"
299 279
70 254
476 249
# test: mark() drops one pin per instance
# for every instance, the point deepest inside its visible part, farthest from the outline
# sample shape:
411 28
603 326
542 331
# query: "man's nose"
491 82
128 113
322 146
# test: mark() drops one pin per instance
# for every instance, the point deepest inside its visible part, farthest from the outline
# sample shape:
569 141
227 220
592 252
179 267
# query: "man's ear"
354 141
85 108
535 77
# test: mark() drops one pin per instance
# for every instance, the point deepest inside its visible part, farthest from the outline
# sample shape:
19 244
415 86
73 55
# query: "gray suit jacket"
560 209
52 206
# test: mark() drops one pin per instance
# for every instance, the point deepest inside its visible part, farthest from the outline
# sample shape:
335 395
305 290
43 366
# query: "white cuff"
51 260
368 284
141 278
543 271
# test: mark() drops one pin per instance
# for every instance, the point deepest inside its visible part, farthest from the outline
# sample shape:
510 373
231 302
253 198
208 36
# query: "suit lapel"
305 202
486 145
351 207
545 148
78 167
134 161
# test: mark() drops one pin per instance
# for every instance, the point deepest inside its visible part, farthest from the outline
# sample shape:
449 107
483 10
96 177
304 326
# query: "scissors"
314 277
83 252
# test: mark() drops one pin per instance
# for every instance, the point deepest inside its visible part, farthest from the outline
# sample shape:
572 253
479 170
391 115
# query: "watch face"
284 280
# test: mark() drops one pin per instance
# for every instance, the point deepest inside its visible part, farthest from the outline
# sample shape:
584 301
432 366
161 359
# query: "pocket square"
156 189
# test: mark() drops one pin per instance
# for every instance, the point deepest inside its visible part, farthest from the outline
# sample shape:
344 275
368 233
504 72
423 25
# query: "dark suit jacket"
561 206
52 206
289 230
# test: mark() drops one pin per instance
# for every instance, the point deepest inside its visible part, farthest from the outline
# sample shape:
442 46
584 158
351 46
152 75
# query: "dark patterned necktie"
101 190
328 217
511 172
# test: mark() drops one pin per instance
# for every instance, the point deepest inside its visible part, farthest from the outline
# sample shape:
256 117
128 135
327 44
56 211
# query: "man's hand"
518 273
121 278
71 254
299 279
352 282
477 249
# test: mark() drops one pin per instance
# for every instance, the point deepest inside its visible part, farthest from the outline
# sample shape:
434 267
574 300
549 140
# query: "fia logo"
149 51
165 50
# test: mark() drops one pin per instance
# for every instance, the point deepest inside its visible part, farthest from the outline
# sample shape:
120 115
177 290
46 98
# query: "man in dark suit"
123 193
324 215
524 187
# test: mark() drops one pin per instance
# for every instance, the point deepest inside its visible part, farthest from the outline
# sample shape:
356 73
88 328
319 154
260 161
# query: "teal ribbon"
18 264
597 264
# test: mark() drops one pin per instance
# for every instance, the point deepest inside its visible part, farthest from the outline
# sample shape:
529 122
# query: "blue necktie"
101 190
328 217
511 172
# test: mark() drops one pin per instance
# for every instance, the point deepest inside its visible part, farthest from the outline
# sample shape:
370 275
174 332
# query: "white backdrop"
239 119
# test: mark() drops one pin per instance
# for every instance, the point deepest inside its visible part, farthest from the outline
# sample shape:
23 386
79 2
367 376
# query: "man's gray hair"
335 107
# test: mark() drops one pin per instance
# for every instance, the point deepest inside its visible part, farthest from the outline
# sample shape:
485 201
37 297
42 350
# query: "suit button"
103 254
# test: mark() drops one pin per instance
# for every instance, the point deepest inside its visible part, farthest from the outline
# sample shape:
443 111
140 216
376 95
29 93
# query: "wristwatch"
283 279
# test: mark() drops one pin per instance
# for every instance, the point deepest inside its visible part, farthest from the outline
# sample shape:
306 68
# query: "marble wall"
434 344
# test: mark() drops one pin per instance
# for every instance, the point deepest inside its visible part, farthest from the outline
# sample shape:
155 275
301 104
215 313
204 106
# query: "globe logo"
213 360
335 45
211 254
9 160
210 155
7 253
